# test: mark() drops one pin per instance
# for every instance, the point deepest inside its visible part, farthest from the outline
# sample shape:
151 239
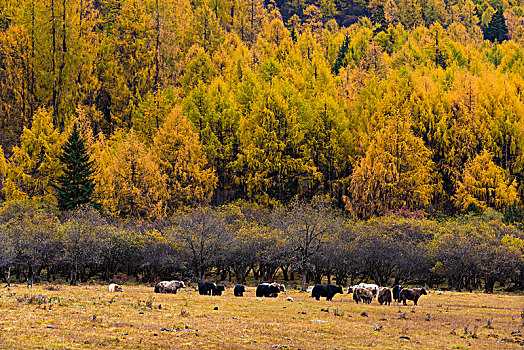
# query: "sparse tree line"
304 242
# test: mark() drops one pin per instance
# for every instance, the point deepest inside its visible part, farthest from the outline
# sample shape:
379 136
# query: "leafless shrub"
52 288
36 299
184 313
338 313
474 333
149 303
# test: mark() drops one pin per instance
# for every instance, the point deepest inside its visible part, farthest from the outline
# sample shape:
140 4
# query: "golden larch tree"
183 164
396 171
485 184
136 187
34 165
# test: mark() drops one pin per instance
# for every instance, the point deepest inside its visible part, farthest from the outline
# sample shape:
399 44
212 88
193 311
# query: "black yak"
328 291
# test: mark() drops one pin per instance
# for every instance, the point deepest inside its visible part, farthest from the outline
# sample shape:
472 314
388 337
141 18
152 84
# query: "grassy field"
89 317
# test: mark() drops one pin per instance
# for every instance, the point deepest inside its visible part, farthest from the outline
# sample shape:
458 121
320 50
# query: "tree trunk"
53 62
74 272
63 51
317 276
285 272
489 284
8 281
304 281
31 277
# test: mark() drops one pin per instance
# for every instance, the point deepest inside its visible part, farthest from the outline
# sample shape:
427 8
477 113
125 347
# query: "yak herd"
362 292
365 292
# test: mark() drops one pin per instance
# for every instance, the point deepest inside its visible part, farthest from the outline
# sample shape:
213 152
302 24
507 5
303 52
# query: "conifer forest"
307 140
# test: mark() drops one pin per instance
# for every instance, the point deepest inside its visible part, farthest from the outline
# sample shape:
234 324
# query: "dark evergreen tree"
497 31
75 186
341 56
379 19
513 214
440 58
473 209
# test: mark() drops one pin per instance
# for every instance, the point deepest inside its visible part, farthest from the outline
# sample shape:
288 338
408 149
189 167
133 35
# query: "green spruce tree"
514 214
341 56
379 19
497 31
75 186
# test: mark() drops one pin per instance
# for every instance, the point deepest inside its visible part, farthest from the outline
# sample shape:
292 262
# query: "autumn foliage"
376 106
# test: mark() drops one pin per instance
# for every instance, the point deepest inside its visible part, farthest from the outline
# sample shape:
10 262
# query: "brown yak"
362 294
411 294
384 296
367 295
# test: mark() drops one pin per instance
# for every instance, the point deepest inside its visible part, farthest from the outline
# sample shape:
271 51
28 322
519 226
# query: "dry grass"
88 317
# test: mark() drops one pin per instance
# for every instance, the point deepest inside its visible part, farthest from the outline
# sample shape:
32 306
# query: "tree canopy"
378 105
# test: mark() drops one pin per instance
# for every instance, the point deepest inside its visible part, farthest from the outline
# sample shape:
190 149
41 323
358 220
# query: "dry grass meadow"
89 317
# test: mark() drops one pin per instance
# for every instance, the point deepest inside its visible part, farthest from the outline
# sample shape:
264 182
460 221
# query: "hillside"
379 105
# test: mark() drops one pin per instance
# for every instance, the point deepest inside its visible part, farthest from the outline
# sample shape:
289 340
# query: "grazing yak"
208 288
366 295
384 296
160 287
396 291
280 286
173 286
370 286
219 289
239 290
328 291
411 294
115 288
205 288
170 287
362 294
269 289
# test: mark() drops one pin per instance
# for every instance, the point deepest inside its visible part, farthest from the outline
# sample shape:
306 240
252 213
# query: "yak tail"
157 288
